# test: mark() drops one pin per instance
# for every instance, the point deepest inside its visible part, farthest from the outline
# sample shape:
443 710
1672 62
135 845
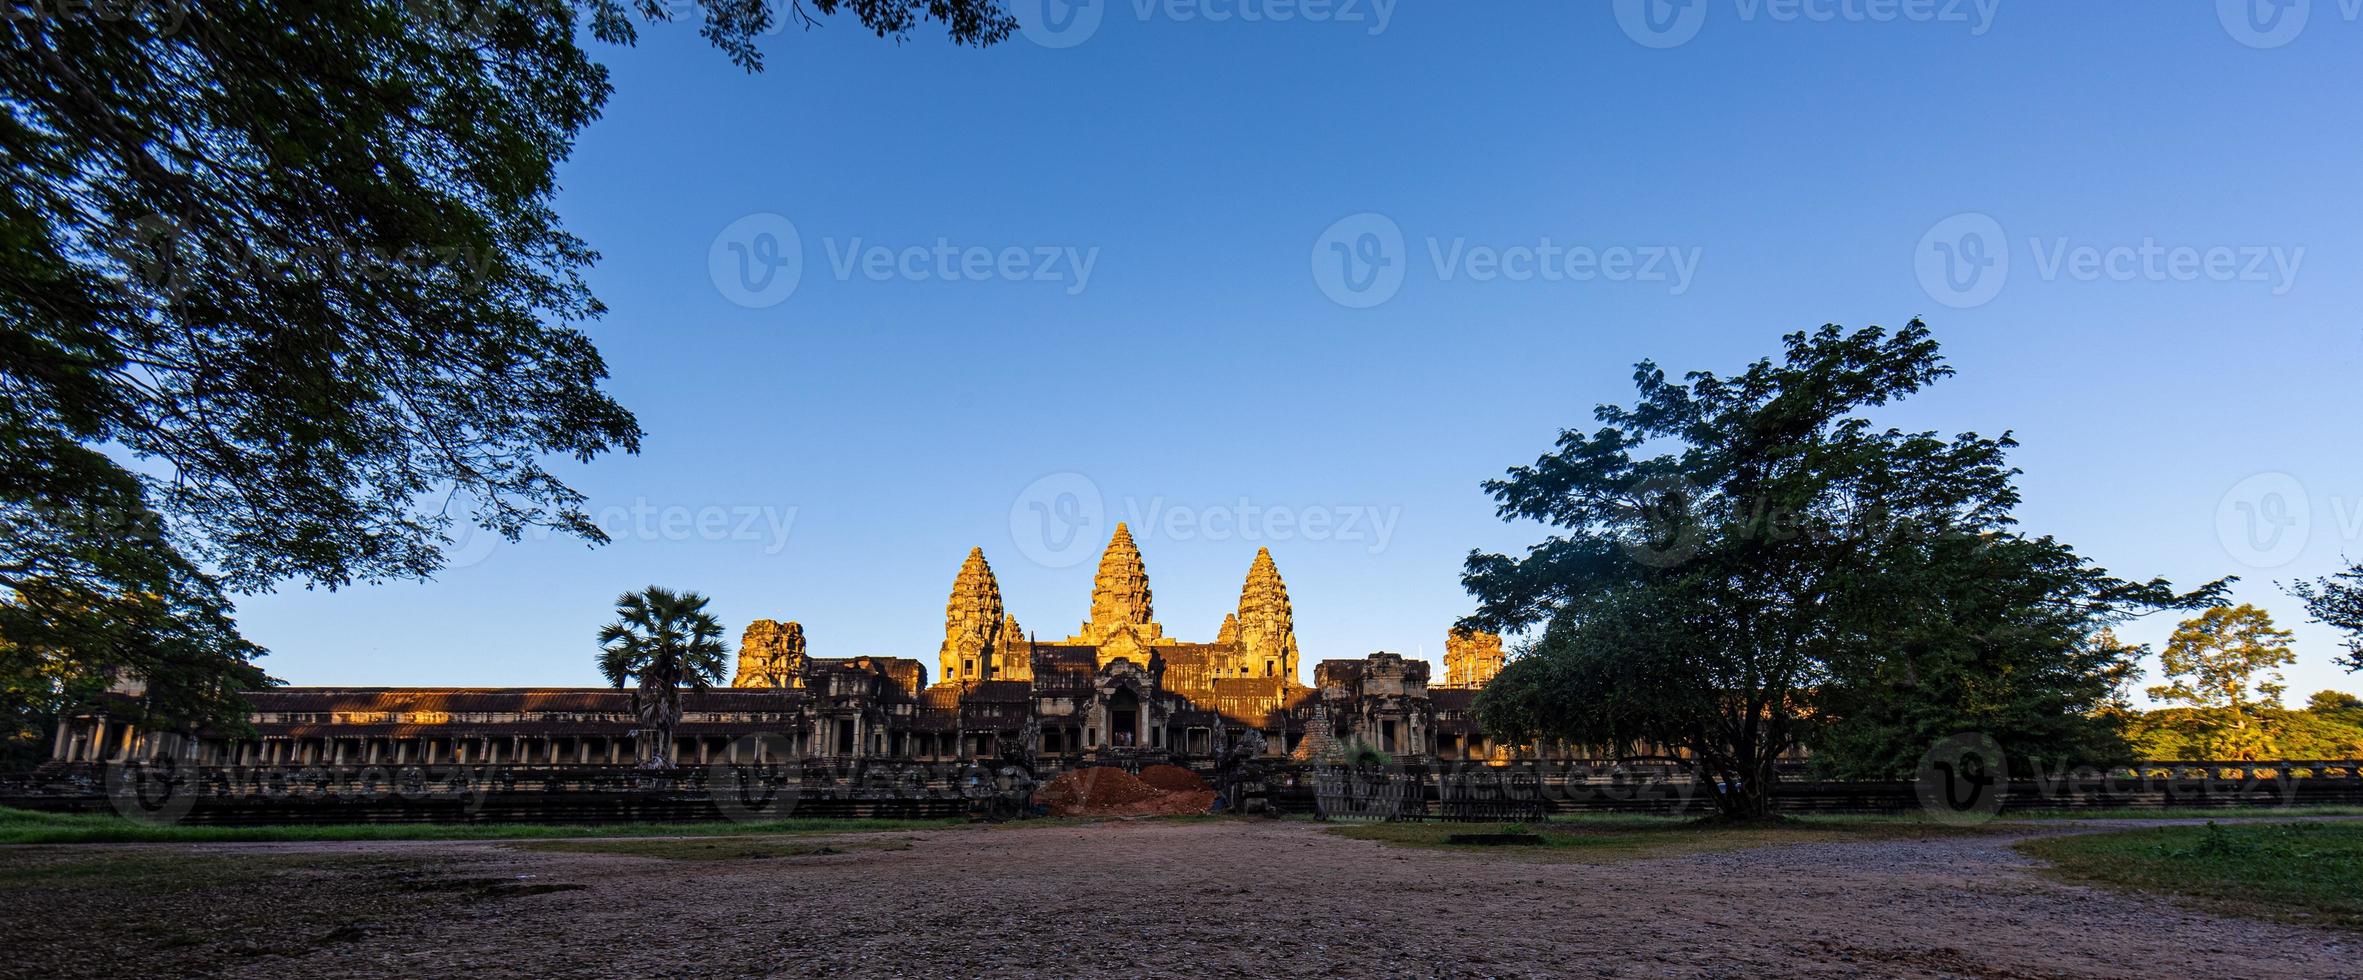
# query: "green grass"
2189 813
2290 872
1617 837
33 827
716 848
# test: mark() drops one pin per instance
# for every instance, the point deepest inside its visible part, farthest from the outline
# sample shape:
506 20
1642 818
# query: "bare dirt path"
1183 899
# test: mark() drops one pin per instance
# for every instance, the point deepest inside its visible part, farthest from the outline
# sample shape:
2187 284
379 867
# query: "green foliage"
1782 568
2193 734
2303 872
1358 751
92 593
282 291
2336 706
2337 601
666 640
2224 662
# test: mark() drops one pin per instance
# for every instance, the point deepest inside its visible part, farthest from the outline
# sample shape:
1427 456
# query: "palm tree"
666 640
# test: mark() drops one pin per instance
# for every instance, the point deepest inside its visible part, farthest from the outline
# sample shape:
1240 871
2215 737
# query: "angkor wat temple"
1119 689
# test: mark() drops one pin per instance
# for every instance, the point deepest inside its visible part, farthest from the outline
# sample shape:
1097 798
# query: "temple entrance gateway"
1124 719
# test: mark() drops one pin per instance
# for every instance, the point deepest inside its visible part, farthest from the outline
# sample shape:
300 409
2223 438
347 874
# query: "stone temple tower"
1471 658
1120 599
975 625
770 654
1123 623
1267 625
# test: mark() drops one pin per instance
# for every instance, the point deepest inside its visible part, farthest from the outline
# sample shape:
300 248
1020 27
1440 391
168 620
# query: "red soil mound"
1102 791
1098 787
1173 779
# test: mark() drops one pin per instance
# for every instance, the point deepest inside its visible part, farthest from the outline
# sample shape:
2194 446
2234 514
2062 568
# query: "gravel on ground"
1191 898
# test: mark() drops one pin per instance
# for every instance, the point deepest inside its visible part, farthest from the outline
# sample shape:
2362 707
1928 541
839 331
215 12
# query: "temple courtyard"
1164 898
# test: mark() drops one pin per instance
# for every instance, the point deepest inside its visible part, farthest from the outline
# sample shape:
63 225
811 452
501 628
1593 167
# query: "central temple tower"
1266 622
1123 623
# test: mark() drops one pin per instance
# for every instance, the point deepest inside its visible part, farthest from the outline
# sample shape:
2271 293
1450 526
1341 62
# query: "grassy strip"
33 827
1608 839
2290 872
2189 813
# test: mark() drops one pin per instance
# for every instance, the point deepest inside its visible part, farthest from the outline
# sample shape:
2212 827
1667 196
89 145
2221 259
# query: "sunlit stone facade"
1118 688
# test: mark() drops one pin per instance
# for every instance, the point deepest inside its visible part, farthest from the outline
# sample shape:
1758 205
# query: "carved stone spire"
1267 625
770 654
1229 634
1120 592
1014 654
1471 658
972 622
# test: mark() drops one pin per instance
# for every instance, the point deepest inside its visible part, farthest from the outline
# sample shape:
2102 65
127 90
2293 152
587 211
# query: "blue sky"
1163 346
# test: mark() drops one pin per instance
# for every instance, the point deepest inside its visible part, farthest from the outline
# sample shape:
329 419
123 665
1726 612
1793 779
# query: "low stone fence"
1530 791
1489 792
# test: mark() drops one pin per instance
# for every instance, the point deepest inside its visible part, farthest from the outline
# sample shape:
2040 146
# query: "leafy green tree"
666 641
2226 663
91 593
294 268
2007 637
2334 703
2337 601
1734 552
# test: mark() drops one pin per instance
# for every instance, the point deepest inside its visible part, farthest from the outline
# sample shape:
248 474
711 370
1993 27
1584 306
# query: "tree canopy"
281 286
2226 662
2337 601
1743 563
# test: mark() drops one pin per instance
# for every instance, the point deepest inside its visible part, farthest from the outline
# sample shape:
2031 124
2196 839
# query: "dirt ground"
1122 898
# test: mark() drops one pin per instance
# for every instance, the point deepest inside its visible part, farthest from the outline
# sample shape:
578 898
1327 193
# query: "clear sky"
1303 282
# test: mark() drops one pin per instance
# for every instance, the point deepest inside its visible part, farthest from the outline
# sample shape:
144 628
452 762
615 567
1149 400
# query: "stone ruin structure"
1471 658
1118 689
